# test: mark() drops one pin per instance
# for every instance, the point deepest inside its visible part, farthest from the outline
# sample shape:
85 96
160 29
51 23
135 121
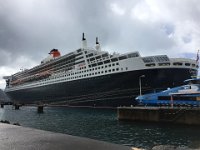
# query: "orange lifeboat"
45 74
15 82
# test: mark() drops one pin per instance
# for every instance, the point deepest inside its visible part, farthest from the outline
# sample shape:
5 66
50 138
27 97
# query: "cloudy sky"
29 29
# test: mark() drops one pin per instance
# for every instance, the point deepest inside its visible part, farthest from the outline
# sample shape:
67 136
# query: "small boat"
185 95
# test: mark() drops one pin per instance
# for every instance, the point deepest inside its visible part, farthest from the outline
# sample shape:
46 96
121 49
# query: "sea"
102 124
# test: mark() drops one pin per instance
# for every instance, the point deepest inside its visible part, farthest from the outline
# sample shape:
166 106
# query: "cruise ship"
93 77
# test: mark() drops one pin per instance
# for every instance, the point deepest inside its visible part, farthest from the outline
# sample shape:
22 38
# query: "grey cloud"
168 28
184 9
5 57
31 28
50 24
187 39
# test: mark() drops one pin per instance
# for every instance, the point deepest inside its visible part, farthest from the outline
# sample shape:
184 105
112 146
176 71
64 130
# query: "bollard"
40 109
17 107
2 105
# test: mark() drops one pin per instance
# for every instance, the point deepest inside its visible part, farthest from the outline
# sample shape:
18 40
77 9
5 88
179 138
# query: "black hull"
104 91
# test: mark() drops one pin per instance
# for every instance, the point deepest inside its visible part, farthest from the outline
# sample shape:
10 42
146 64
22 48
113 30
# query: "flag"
197 59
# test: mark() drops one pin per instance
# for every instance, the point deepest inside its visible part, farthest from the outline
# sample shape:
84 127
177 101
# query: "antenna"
83 37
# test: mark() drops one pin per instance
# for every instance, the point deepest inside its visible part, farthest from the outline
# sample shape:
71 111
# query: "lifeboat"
15 82
37 76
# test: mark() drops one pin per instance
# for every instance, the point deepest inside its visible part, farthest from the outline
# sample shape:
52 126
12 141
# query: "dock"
179 115
21 138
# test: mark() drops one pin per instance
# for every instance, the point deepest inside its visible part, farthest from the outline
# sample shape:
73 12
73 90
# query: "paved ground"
21 138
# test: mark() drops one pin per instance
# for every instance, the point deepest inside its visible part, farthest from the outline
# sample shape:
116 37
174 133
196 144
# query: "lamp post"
140 83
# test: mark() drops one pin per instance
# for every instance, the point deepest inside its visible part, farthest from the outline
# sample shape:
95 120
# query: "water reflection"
102 124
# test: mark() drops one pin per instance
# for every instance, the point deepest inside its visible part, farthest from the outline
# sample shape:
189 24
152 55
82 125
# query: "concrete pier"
21 138
182 115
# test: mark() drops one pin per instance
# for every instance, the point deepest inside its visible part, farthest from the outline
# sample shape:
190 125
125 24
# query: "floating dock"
20 138
181 115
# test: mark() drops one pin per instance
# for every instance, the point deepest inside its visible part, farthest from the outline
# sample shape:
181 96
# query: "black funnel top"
97 42
83 38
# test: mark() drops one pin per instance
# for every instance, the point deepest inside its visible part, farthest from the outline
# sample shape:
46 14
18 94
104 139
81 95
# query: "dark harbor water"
101 124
